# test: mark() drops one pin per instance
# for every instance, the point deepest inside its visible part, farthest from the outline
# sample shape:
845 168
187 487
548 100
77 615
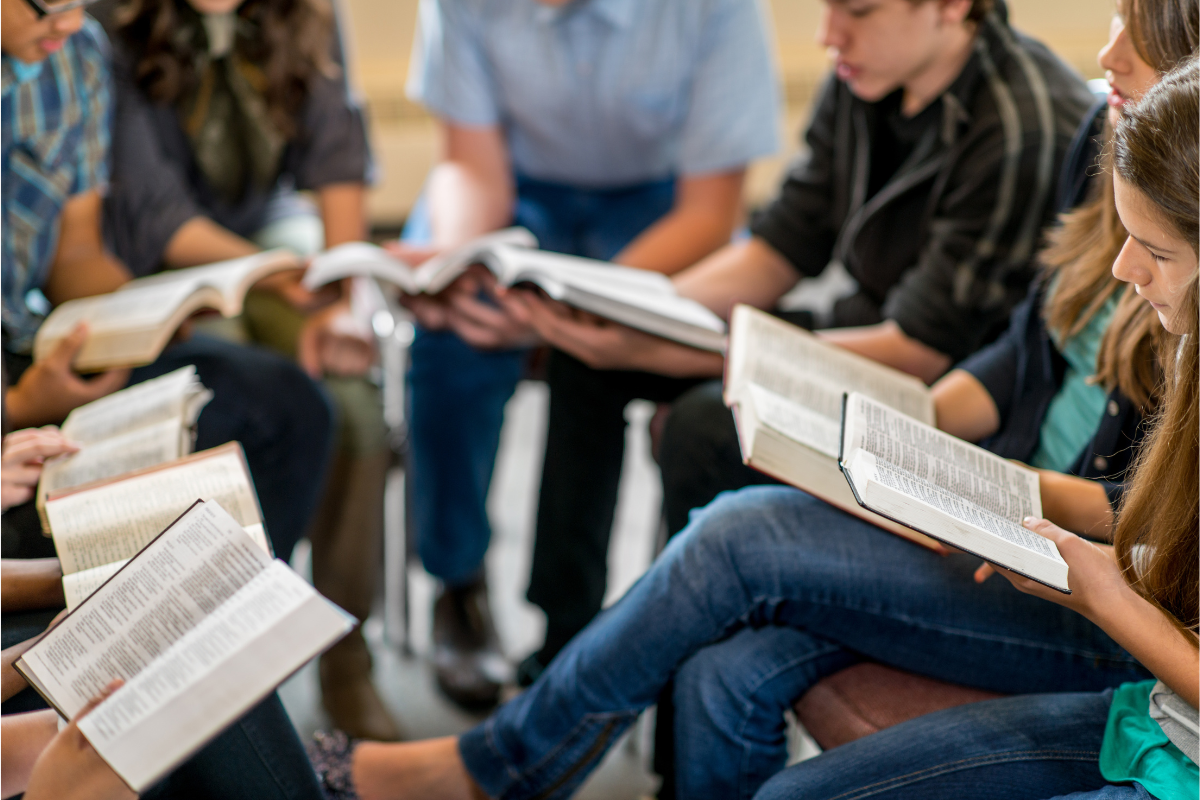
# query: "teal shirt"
1075 412
1136 749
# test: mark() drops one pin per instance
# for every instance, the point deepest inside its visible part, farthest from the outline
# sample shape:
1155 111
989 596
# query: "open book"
201 625
142 426
131 326
949 489
98 526
637 298
785 388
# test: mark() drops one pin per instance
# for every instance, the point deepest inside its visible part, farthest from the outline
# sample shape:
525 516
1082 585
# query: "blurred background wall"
380 34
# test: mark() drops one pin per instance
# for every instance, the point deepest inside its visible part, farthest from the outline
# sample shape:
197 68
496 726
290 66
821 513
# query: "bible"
201 625
131 326
949 489
637 298
142 426
785 386
101 524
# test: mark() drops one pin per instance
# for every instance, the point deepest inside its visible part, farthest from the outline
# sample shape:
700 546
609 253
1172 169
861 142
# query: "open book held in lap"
949 489
145 425
98 526
201 625
131 326
637 298
785 387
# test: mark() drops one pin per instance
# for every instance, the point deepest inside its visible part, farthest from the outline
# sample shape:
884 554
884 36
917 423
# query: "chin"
1169 324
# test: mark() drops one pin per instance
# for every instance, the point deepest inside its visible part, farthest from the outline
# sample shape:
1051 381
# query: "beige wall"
381 34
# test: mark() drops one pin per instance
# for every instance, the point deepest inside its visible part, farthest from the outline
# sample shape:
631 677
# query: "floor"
406 681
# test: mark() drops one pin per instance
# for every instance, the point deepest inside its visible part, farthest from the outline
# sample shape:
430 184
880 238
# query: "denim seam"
759 601
748 707
520 776
967 763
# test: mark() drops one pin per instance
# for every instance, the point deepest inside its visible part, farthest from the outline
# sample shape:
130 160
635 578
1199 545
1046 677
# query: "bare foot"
430 770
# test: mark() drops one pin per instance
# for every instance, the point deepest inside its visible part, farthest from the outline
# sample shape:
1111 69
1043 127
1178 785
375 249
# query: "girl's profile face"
1159 262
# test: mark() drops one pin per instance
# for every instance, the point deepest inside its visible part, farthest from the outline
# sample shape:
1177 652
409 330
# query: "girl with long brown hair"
232 117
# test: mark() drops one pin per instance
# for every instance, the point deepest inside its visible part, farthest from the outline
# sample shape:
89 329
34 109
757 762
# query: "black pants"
585 446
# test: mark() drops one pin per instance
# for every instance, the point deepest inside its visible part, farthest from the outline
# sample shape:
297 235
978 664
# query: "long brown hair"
1082 249
293 45
1156 150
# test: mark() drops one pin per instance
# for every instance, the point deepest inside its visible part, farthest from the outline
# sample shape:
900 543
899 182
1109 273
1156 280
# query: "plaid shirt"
56 123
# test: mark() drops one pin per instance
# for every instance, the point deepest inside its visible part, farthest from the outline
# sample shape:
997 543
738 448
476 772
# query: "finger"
984 572
41 444
308 352
64 354
1048 530
479 313
97 700
107 382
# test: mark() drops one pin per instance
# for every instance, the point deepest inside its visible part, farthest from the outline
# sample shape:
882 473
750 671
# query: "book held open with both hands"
201 625
640 299
949 489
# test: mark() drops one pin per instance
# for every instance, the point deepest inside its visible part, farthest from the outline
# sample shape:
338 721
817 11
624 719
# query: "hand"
334 342
602 344
50 389
21 457
71 769
486 326
287 285
1093 574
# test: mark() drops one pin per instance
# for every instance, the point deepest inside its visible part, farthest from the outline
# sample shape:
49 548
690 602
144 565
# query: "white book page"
796 421
78 586
211 675
107 458
107 523
360 259
146 307
440 271
966 470
789 361
169 396
867 468
184 576
227 277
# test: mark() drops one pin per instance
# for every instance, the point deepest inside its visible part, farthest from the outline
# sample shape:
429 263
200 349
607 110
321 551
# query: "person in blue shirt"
612 129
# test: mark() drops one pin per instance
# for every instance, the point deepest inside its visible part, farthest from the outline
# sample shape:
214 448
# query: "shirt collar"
618 13
16 72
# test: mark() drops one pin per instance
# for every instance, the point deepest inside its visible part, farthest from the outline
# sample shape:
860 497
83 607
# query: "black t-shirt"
893 137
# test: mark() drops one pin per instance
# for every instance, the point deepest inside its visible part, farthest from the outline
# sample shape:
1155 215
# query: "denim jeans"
775 557
1030 747
458 393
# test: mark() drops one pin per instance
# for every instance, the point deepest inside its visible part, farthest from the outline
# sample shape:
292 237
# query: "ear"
954 12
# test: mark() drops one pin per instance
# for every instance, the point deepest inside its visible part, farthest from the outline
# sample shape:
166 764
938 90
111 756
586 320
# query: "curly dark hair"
293 46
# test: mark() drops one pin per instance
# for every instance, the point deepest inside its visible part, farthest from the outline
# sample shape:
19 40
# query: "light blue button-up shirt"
604 93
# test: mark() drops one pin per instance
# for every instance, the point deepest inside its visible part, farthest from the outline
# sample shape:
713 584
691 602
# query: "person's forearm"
25 736
343 212
32 583
202 241
677 361
678 240
465 203
1076 504
964 407
888 344
1148 635
750 272
92 274
11 682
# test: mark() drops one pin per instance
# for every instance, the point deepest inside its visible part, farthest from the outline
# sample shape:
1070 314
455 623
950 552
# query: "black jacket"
1023 370
945 248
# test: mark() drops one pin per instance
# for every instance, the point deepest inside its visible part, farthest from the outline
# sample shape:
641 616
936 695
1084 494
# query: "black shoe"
467 660
529 670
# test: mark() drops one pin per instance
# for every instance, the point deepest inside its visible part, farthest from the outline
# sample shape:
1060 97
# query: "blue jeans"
1030 747
458 393
282 418
839 588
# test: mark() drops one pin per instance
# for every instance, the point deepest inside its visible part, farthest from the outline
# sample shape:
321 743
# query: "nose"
1114 56
1128 266
830 33
68 22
